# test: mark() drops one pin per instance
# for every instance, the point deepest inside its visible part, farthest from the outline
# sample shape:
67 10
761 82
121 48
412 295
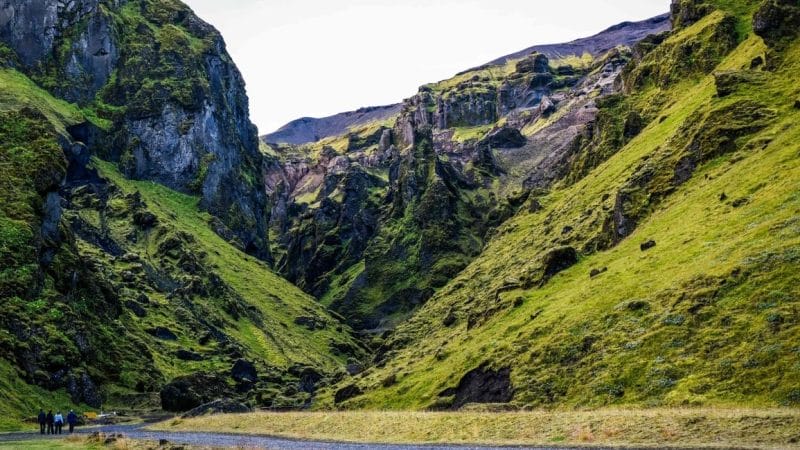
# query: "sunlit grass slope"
709 316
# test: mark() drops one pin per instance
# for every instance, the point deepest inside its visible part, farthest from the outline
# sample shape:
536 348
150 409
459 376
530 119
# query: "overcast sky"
320 57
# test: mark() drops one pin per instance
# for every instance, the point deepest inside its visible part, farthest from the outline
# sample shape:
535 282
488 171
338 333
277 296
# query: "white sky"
321 57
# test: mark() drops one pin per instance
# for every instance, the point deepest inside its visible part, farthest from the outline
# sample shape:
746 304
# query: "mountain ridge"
306 130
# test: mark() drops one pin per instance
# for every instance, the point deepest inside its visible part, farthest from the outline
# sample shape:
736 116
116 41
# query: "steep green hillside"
667 275
375 221
111 289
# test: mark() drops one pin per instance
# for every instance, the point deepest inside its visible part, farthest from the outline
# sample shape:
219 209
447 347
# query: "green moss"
703 318
277 301
202 172
688 53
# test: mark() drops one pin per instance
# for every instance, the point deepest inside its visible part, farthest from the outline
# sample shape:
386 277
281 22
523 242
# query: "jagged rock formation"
374 221
175 104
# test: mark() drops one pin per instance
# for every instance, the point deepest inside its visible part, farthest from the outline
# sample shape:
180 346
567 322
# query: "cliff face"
122 126
171 102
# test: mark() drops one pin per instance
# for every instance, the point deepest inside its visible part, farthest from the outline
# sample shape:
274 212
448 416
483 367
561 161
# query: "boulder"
535 63
546 106
559 259
647 245
144 219
244 371
188 355
777 21
347 393
189 392
221 406
309 377
136 308
482 385
506 137
310 323
597 272
162 333
728 81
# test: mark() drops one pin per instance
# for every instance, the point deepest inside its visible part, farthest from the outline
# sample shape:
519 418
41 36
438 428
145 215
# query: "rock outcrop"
176 105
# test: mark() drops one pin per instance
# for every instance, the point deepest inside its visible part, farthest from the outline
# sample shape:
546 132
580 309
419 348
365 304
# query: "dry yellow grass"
709 428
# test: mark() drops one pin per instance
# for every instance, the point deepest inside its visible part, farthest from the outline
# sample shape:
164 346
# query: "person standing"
50 422
59 422
42 421
72 420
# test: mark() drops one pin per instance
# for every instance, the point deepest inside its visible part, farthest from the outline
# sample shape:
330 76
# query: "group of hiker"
52 423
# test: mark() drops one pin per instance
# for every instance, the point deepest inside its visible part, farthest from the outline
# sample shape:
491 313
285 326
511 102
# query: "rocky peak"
687 12
177 106
535 63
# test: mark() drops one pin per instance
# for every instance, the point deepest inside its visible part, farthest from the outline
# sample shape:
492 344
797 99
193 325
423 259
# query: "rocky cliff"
171 104
131 197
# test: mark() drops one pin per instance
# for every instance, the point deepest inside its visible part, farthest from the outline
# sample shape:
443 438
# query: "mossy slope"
707 316
110 288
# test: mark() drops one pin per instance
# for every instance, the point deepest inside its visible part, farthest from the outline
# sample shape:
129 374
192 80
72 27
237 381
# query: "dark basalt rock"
535 63
136 308
729 81
634 123
186 393
310 323
597 272
188 355
558 260
82 389
482 385
687 12
308 378
346 393
145 219
647 245
505 137
777 21
221 406
162 333
244 372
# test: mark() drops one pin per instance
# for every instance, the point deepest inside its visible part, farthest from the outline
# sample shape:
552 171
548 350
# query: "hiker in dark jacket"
51 419
42 421
72 420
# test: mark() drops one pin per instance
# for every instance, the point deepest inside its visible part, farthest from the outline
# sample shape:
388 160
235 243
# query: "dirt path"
223 440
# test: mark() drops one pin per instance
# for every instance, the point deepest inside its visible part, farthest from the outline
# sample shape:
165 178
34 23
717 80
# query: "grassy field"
662 427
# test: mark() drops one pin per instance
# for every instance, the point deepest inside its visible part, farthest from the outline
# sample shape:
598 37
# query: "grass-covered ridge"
112 288
279 301
706 317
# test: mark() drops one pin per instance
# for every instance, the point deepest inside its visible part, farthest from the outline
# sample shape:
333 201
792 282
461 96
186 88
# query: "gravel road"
222 440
